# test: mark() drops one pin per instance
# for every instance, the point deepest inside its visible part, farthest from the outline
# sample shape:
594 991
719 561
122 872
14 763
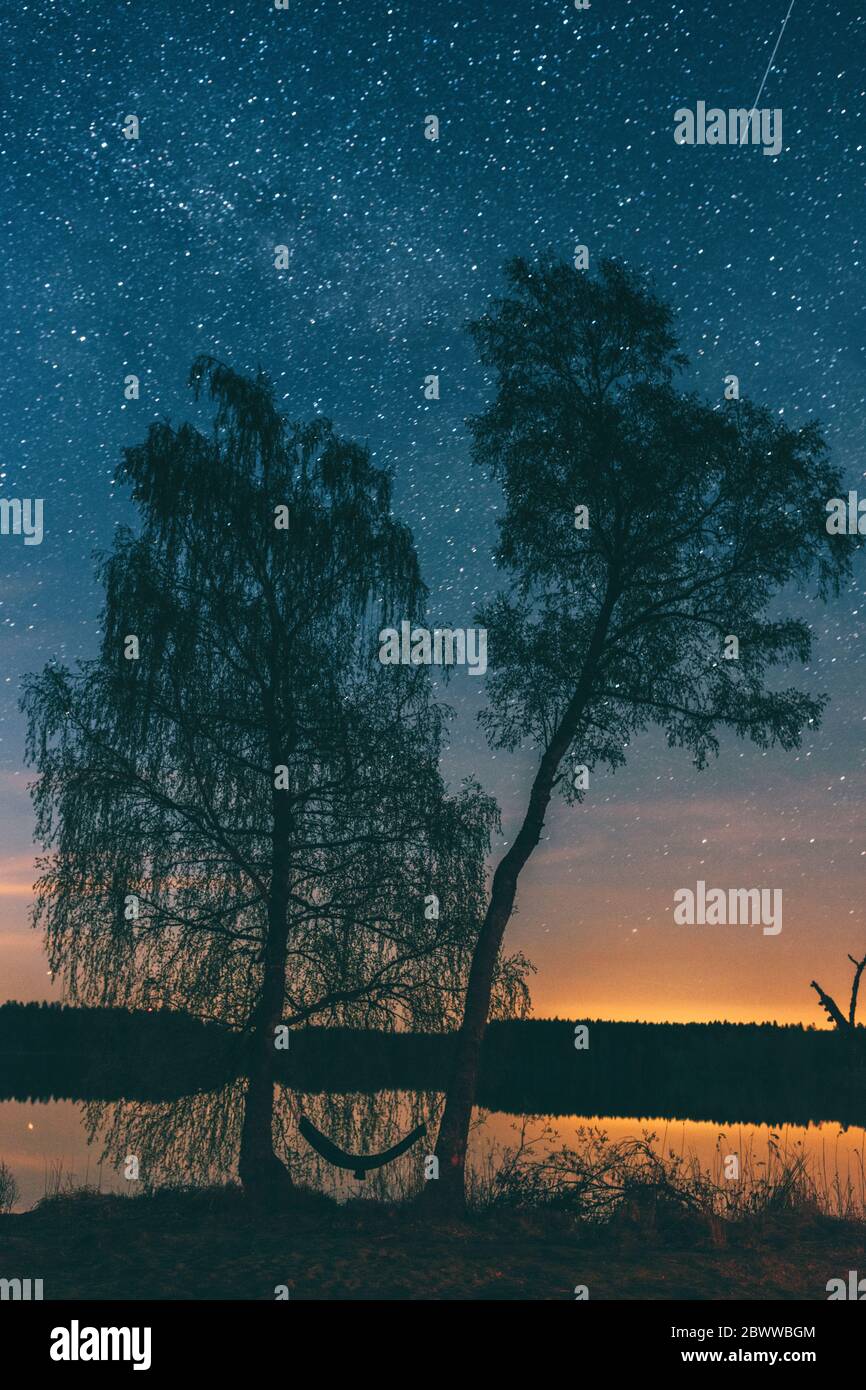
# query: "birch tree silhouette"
642 529
244 814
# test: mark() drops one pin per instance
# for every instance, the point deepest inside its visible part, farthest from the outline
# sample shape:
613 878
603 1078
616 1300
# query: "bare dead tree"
829 1004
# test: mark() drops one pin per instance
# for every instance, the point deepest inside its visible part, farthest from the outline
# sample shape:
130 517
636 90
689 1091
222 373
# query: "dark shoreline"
209 1245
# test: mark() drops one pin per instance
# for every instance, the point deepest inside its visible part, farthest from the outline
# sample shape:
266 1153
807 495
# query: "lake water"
45 1145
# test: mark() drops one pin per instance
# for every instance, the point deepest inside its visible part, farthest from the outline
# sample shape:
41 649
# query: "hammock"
360 1164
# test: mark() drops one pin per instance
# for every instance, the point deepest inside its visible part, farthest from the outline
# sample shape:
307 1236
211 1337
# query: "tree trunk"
259 1169
449 1190
261 1172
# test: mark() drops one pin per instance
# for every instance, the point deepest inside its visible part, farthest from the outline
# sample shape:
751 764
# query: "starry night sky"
306 127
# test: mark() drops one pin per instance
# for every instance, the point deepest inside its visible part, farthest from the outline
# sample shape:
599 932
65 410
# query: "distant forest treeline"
721 1072
49 1051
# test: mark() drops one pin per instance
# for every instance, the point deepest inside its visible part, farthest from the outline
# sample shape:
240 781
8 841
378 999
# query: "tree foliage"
243 810
643 529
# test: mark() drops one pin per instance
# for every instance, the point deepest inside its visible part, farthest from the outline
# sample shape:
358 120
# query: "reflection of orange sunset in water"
833 1155
39 1142
44 1142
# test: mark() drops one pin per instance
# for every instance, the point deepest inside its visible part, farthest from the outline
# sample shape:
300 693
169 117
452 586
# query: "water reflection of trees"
195 1139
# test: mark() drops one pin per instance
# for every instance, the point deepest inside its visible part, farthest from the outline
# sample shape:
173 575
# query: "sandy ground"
208 1245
